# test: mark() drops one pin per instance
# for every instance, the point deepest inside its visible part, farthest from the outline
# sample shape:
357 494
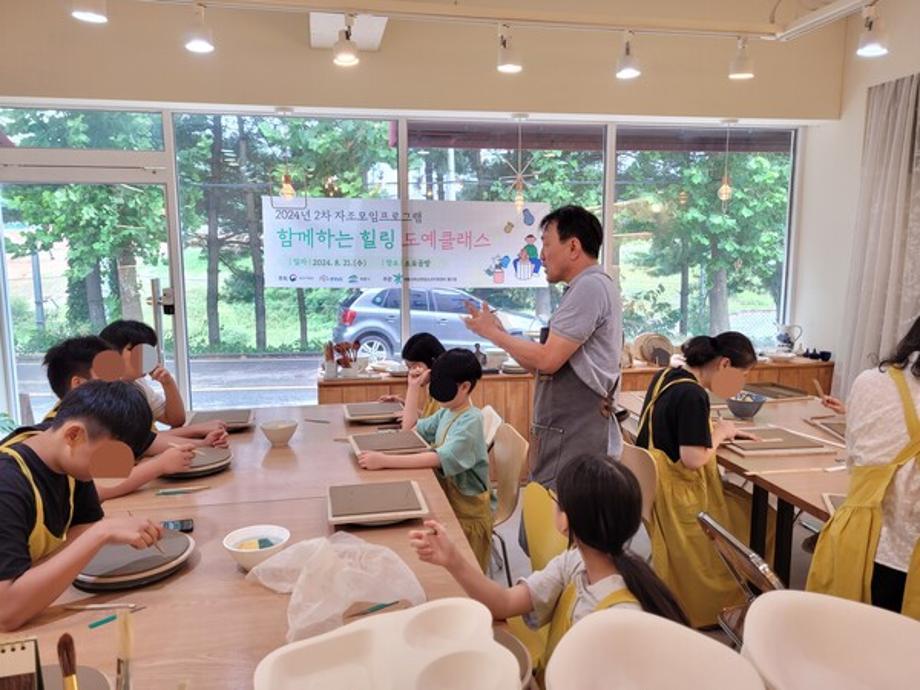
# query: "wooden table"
208 624
802 490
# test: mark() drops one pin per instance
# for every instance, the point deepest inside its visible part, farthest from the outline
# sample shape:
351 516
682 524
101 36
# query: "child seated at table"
458 443
598 506
47 498
419 353
69 364
124 336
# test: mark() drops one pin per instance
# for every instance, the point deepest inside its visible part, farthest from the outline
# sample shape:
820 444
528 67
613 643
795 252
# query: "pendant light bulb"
741 67
508 60
345 50
872 40
200 39
90 11
726 191
628 64
519 200
287 187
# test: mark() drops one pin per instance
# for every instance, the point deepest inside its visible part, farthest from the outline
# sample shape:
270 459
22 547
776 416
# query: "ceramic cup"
279 432
825 356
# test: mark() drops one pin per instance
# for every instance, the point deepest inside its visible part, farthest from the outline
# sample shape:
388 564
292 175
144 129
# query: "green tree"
674 197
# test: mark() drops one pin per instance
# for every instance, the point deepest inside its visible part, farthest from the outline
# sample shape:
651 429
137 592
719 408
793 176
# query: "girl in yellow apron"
459 455
844 561
675 427
419 352
599 506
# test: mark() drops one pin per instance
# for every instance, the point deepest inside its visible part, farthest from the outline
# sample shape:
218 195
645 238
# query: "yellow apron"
429 408
41 541
473 512
682 554
52 413
845 554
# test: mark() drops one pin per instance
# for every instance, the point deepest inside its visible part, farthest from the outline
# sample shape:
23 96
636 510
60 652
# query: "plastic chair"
642 464
538 512
509 454
619 648
750 571
800 640
491 421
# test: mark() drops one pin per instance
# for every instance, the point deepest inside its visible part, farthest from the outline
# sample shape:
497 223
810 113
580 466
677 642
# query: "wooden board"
833 424
376 502
777 441
235 419
373 412
389 442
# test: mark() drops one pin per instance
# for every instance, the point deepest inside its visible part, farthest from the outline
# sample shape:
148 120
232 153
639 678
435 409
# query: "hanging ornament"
517 181
287 187
725 191
519 196
683 198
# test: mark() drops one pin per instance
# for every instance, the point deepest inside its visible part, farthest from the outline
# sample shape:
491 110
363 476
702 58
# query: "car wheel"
375 346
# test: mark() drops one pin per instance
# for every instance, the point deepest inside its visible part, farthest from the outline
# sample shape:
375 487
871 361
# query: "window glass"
81 129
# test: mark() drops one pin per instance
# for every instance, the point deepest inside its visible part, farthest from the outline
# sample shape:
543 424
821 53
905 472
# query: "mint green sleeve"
427 427
463 447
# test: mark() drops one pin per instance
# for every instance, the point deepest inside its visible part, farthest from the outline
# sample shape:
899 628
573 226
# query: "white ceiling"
367 30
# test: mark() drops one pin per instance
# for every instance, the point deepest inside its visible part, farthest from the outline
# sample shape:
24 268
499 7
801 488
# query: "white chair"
491 420
807 640
509 455
619 648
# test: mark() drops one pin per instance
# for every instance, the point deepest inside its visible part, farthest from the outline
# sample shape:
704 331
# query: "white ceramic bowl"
279 432
249 559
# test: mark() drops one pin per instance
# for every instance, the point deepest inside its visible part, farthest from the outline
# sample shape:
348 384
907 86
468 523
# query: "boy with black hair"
48 498
124 335
458 456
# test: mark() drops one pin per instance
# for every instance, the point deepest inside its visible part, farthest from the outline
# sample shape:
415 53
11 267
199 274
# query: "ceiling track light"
628 64
345 50
872 42
200 40
741 67
90 11
508 60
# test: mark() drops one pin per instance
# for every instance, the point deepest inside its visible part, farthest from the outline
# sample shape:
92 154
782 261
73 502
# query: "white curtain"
883 296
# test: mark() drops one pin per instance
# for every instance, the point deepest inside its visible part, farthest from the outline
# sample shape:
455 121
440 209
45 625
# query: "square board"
235 419
375 502
777 441
834 424
373 411
390 442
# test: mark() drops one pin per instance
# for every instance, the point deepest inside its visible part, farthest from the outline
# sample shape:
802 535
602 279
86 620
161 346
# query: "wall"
830 178
263 58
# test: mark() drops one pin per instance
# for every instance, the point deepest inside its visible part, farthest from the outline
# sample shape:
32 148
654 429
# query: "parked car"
372 316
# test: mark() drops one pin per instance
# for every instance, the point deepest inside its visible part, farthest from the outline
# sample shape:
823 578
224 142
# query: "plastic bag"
326 576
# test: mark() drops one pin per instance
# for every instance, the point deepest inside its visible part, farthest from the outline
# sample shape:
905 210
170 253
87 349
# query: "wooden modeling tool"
125 644
108 619
67 657
183 490
156 544
99 607
819 388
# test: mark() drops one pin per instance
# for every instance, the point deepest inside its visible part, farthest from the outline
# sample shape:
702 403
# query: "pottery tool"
156 544
183 490
125 644
377 607
819 388
316 421
67 658
798 470
100 607
835 444
108 619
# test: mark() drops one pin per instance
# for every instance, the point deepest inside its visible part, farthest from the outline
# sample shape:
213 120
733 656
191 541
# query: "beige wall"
830 178
263 58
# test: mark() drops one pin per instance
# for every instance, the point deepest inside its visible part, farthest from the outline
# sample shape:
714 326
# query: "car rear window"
350 298
419 299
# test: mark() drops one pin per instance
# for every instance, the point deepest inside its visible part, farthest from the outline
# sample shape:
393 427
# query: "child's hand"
391 398
162 376
835 404
419 377
176 459
138 532
433 545
216 439
372 460
726 429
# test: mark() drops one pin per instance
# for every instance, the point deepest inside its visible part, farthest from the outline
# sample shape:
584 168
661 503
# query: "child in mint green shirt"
458 454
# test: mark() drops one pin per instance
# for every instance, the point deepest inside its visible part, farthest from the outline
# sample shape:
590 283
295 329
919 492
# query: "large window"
250 344
81 129
701 222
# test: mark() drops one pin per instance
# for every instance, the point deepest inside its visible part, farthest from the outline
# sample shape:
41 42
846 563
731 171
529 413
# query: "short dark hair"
72 357
458 365
602 503
580 223
703 349
117 409
424 348
127 333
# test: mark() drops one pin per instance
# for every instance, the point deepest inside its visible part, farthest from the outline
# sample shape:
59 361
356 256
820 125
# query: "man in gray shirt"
577 364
